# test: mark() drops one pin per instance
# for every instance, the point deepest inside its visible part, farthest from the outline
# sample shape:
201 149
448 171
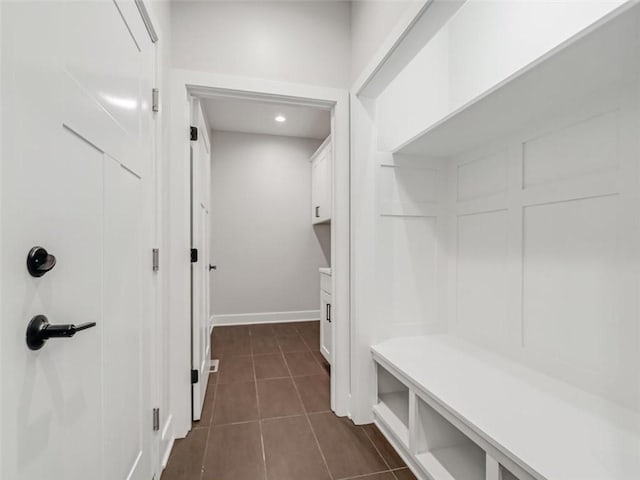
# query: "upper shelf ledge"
600 60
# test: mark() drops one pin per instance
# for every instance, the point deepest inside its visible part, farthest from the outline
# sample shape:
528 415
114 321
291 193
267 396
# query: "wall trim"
270 317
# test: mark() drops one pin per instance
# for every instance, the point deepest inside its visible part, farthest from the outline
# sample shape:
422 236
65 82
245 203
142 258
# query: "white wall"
371 23
301 42
262 240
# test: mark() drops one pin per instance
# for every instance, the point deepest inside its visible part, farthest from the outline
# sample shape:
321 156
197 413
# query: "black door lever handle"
40 330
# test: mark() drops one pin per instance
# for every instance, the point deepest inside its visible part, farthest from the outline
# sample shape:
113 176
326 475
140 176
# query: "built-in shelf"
398 404
392 422
443 450
470 402
393 405
459 462
597 62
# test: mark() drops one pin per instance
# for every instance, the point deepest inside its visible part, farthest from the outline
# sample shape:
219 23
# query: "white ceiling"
251 116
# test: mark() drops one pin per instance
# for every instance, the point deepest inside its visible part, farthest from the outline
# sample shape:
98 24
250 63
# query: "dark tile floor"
267 416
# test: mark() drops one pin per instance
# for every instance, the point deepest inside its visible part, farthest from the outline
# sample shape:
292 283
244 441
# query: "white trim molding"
185 84
269 317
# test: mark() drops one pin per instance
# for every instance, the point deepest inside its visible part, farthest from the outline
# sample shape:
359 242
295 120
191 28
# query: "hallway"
267 416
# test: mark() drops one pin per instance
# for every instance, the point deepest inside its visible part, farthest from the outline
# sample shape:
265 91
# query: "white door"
76 83
200 331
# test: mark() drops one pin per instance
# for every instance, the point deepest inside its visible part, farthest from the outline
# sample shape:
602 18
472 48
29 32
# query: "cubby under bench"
457 412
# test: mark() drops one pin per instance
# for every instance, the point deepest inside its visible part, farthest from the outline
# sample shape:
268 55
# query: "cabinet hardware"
328 315
193 134
213 267
317 212
194 255
194 376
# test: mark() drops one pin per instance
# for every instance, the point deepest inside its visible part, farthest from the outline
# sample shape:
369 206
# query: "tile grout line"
304 413
209 428
368 475
306 416
255 383
376 448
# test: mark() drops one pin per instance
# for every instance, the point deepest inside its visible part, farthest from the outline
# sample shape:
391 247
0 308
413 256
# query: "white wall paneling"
543 265
506 204
411 233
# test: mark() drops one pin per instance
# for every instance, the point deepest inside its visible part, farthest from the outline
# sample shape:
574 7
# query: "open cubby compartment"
392 408
443 451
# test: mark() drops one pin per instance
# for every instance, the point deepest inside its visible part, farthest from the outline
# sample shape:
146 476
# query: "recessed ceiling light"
280 118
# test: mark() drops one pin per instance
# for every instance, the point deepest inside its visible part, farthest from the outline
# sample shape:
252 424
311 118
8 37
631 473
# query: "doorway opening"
232 268
261 209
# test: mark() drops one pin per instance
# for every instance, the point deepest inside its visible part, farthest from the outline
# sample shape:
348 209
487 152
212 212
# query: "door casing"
186 84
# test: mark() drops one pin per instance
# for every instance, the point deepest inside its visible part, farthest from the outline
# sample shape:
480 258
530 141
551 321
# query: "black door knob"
40 330
39 261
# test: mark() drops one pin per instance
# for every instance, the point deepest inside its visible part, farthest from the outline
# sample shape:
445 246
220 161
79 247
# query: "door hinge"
194 255
155 100
156 259
194 376
156 419
194 134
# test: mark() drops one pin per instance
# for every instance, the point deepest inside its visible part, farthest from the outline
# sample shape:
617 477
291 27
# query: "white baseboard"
271 317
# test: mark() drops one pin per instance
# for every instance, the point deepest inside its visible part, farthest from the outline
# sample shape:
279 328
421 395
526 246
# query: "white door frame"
202 84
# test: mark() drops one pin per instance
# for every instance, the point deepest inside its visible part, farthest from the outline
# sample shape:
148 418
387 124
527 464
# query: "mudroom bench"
455 411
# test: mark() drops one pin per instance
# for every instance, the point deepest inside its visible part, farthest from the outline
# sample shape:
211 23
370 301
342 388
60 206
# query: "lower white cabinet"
326 320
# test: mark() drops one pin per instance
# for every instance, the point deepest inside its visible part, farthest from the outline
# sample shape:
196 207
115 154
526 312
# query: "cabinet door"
321 187
316 188
326 189
326 326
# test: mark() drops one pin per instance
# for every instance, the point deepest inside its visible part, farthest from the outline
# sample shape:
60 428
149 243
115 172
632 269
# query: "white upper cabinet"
321 189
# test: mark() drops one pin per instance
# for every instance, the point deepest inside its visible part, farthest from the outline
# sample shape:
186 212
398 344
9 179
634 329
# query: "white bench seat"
550 429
